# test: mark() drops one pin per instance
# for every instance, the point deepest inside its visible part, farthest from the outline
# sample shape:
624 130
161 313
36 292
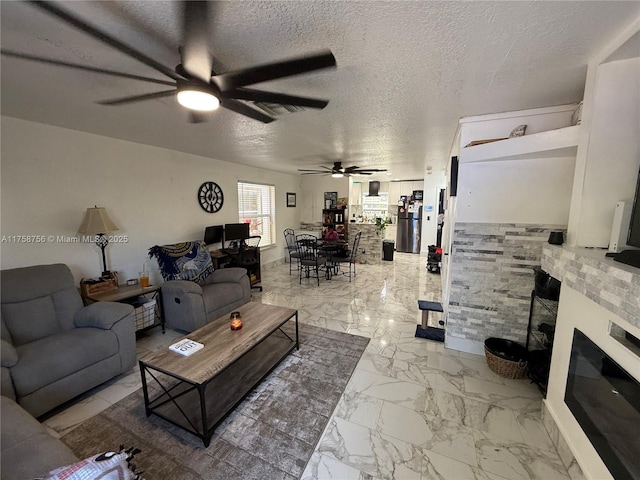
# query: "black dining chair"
309 256
292 247
349 260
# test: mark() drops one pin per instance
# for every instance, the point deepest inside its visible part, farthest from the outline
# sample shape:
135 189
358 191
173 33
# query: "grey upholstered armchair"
53 347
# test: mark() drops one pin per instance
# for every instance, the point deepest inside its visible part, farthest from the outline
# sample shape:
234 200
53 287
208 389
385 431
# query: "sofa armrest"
8 354
227 275
181 287
102 315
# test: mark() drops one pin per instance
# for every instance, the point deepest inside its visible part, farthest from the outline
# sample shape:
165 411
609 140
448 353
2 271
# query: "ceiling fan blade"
245 110
24 56
372 170
272 97
108 39
138 98
262 73
310 170
315 173
351 169
196 60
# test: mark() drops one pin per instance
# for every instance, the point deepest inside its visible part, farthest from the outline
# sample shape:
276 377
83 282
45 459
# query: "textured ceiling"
407 71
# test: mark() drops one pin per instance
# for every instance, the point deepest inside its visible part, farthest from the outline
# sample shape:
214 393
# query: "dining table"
332 249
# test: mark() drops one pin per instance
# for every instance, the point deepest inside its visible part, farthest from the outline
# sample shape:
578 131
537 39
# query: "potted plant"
381 224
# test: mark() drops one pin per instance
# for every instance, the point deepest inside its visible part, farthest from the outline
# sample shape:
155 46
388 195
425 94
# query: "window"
257 206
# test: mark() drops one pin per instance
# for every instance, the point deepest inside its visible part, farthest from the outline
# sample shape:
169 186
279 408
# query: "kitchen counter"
370 242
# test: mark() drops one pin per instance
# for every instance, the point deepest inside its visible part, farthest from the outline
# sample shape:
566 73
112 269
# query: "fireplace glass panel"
605 400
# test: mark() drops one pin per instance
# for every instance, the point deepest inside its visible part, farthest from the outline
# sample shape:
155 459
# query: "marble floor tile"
413 409
517 460
371 452
328 468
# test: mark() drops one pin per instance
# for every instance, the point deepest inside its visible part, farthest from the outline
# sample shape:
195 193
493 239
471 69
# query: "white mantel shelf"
613 285
561 142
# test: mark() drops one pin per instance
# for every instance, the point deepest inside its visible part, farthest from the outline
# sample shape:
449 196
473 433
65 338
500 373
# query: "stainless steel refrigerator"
408 230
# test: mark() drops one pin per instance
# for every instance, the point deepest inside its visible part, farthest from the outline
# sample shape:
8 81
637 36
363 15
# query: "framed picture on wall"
291 199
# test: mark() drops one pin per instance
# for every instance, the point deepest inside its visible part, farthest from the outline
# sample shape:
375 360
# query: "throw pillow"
104 466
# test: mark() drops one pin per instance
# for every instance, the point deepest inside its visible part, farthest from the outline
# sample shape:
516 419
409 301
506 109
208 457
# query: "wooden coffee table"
197 392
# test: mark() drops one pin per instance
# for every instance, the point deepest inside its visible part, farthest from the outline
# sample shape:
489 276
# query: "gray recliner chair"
189 305
53 347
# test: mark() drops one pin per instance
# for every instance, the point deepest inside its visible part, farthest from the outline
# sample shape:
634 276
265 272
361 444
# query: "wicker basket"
506 368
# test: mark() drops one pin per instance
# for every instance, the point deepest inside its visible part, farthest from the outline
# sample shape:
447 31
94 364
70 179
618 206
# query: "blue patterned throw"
183 261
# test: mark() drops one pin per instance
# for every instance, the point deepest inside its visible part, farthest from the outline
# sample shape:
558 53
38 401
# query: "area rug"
270 435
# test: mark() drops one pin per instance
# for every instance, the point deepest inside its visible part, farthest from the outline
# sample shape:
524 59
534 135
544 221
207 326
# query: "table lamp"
97 222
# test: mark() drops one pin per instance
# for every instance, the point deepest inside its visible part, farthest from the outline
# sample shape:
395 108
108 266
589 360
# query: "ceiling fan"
197 86
338 171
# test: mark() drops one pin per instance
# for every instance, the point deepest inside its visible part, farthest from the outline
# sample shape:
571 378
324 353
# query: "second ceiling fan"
338 171
197 86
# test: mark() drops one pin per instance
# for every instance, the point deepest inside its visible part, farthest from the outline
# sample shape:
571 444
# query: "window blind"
257 206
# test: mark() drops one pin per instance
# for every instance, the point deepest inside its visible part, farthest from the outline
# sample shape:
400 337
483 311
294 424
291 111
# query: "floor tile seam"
350 467
394 380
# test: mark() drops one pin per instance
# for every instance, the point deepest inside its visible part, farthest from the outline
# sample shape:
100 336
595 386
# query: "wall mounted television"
632 257
236 231
213 234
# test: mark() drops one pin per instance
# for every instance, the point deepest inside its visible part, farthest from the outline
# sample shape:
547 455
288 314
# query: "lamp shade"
96 220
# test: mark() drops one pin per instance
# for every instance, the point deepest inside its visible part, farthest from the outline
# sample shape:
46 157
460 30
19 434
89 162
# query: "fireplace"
605 401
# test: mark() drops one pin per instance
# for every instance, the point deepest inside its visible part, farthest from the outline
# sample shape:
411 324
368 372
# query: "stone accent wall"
370 242
492 277
611 284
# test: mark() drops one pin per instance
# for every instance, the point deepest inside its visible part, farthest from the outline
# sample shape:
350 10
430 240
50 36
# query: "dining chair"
292 247
351 258
309 258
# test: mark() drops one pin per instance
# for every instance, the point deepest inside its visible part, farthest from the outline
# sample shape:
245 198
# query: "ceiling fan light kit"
338 171
197 97
199 88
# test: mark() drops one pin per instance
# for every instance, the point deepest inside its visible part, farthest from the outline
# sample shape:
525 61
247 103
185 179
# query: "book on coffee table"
186 347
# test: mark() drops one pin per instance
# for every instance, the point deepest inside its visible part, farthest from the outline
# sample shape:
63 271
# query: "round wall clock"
210 197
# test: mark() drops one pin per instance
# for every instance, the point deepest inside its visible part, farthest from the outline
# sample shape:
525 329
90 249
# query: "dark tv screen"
213 234
236 231
605 400
634 225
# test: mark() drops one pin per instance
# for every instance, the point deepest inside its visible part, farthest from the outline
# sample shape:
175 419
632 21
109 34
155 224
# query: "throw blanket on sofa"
183 261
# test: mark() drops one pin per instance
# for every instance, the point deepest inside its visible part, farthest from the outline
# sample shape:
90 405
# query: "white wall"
613 152
313 188
518 191
50 175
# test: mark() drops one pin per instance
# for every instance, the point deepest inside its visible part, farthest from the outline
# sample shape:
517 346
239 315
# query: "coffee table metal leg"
206 437
297 341
145 392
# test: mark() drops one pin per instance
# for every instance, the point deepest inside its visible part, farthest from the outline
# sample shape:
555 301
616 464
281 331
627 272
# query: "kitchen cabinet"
390 232
406 188
395 191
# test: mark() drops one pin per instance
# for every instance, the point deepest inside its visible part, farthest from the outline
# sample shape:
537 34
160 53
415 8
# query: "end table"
125 293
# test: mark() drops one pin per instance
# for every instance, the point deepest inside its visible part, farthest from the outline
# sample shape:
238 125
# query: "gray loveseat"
53 347
28 451
189 306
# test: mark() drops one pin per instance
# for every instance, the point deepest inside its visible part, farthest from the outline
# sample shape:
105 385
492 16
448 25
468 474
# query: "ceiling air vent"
277 109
